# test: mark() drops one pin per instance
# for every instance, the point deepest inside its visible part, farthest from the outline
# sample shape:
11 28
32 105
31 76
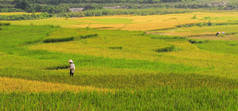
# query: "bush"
196 41
88 36
4 24
119 48
49 9
58 67
10 10
58 40
166 49
104 12
196 24
25 16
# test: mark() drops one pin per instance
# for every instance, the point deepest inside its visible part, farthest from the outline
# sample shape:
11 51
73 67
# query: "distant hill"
39 5
54 2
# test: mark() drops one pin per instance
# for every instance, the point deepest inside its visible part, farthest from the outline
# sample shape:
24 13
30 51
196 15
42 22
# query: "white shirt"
72 67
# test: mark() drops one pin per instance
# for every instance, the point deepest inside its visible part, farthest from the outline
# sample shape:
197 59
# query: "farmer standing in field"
71 67
218 33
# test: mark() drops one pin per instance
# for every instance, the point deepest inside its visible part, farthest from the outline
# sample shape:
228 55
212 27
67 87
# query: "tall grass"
161 99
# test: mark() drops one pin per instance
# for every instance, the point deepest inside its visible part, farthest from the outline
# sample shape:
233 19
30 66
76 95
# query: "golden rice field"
142 23
16 13
206 32
171 62
8 85
142 48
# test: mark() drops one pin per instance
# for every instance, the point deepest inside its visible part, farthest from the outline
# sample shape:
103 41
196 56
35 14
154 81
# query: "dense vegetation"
106 12
25 16
163 99
62 6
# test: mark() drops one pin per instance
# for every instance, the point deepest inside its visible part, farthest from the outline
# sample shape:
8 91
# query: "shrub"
196 41
4 24
119 48
166 49
196 24
58 67
52 40
88 36
25 16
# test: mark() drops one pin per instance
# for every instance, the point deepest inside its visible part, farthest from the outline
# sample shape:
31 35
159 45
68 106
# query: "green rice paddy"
120 70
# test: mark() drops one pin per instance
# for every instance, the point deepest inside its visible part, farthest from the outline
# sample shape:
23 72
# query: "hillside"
64 5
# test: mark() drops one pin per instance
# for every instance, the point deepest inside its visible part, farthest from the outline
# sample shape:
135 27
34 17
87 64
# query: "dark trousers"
71 73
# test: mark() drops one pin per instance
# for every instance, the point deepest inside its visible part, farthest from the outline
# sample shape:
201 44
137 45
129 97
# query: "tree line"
56 2
103 12
25 16
62 6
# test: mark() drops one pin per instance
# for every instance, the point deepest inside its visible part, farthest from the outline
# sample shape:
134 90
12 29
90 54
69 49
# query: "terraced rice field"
15 13
160 62
142 23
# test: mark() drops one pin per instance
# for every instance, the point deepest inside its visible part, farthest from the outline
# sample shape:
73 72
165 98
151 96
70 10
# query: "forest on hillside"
62 6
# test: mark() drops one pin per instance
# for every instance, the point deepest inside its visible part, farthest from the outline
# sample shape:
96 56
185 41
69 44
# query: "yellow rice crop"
21 85
192 31
151 22
16 13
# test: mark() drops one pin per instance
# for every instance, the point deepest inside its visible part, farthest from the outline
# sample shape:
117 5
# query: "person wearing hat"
71 67
218 33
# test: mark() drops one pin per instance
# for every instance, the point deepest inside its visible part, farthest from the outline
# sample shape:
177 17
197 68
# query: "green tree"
22 4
